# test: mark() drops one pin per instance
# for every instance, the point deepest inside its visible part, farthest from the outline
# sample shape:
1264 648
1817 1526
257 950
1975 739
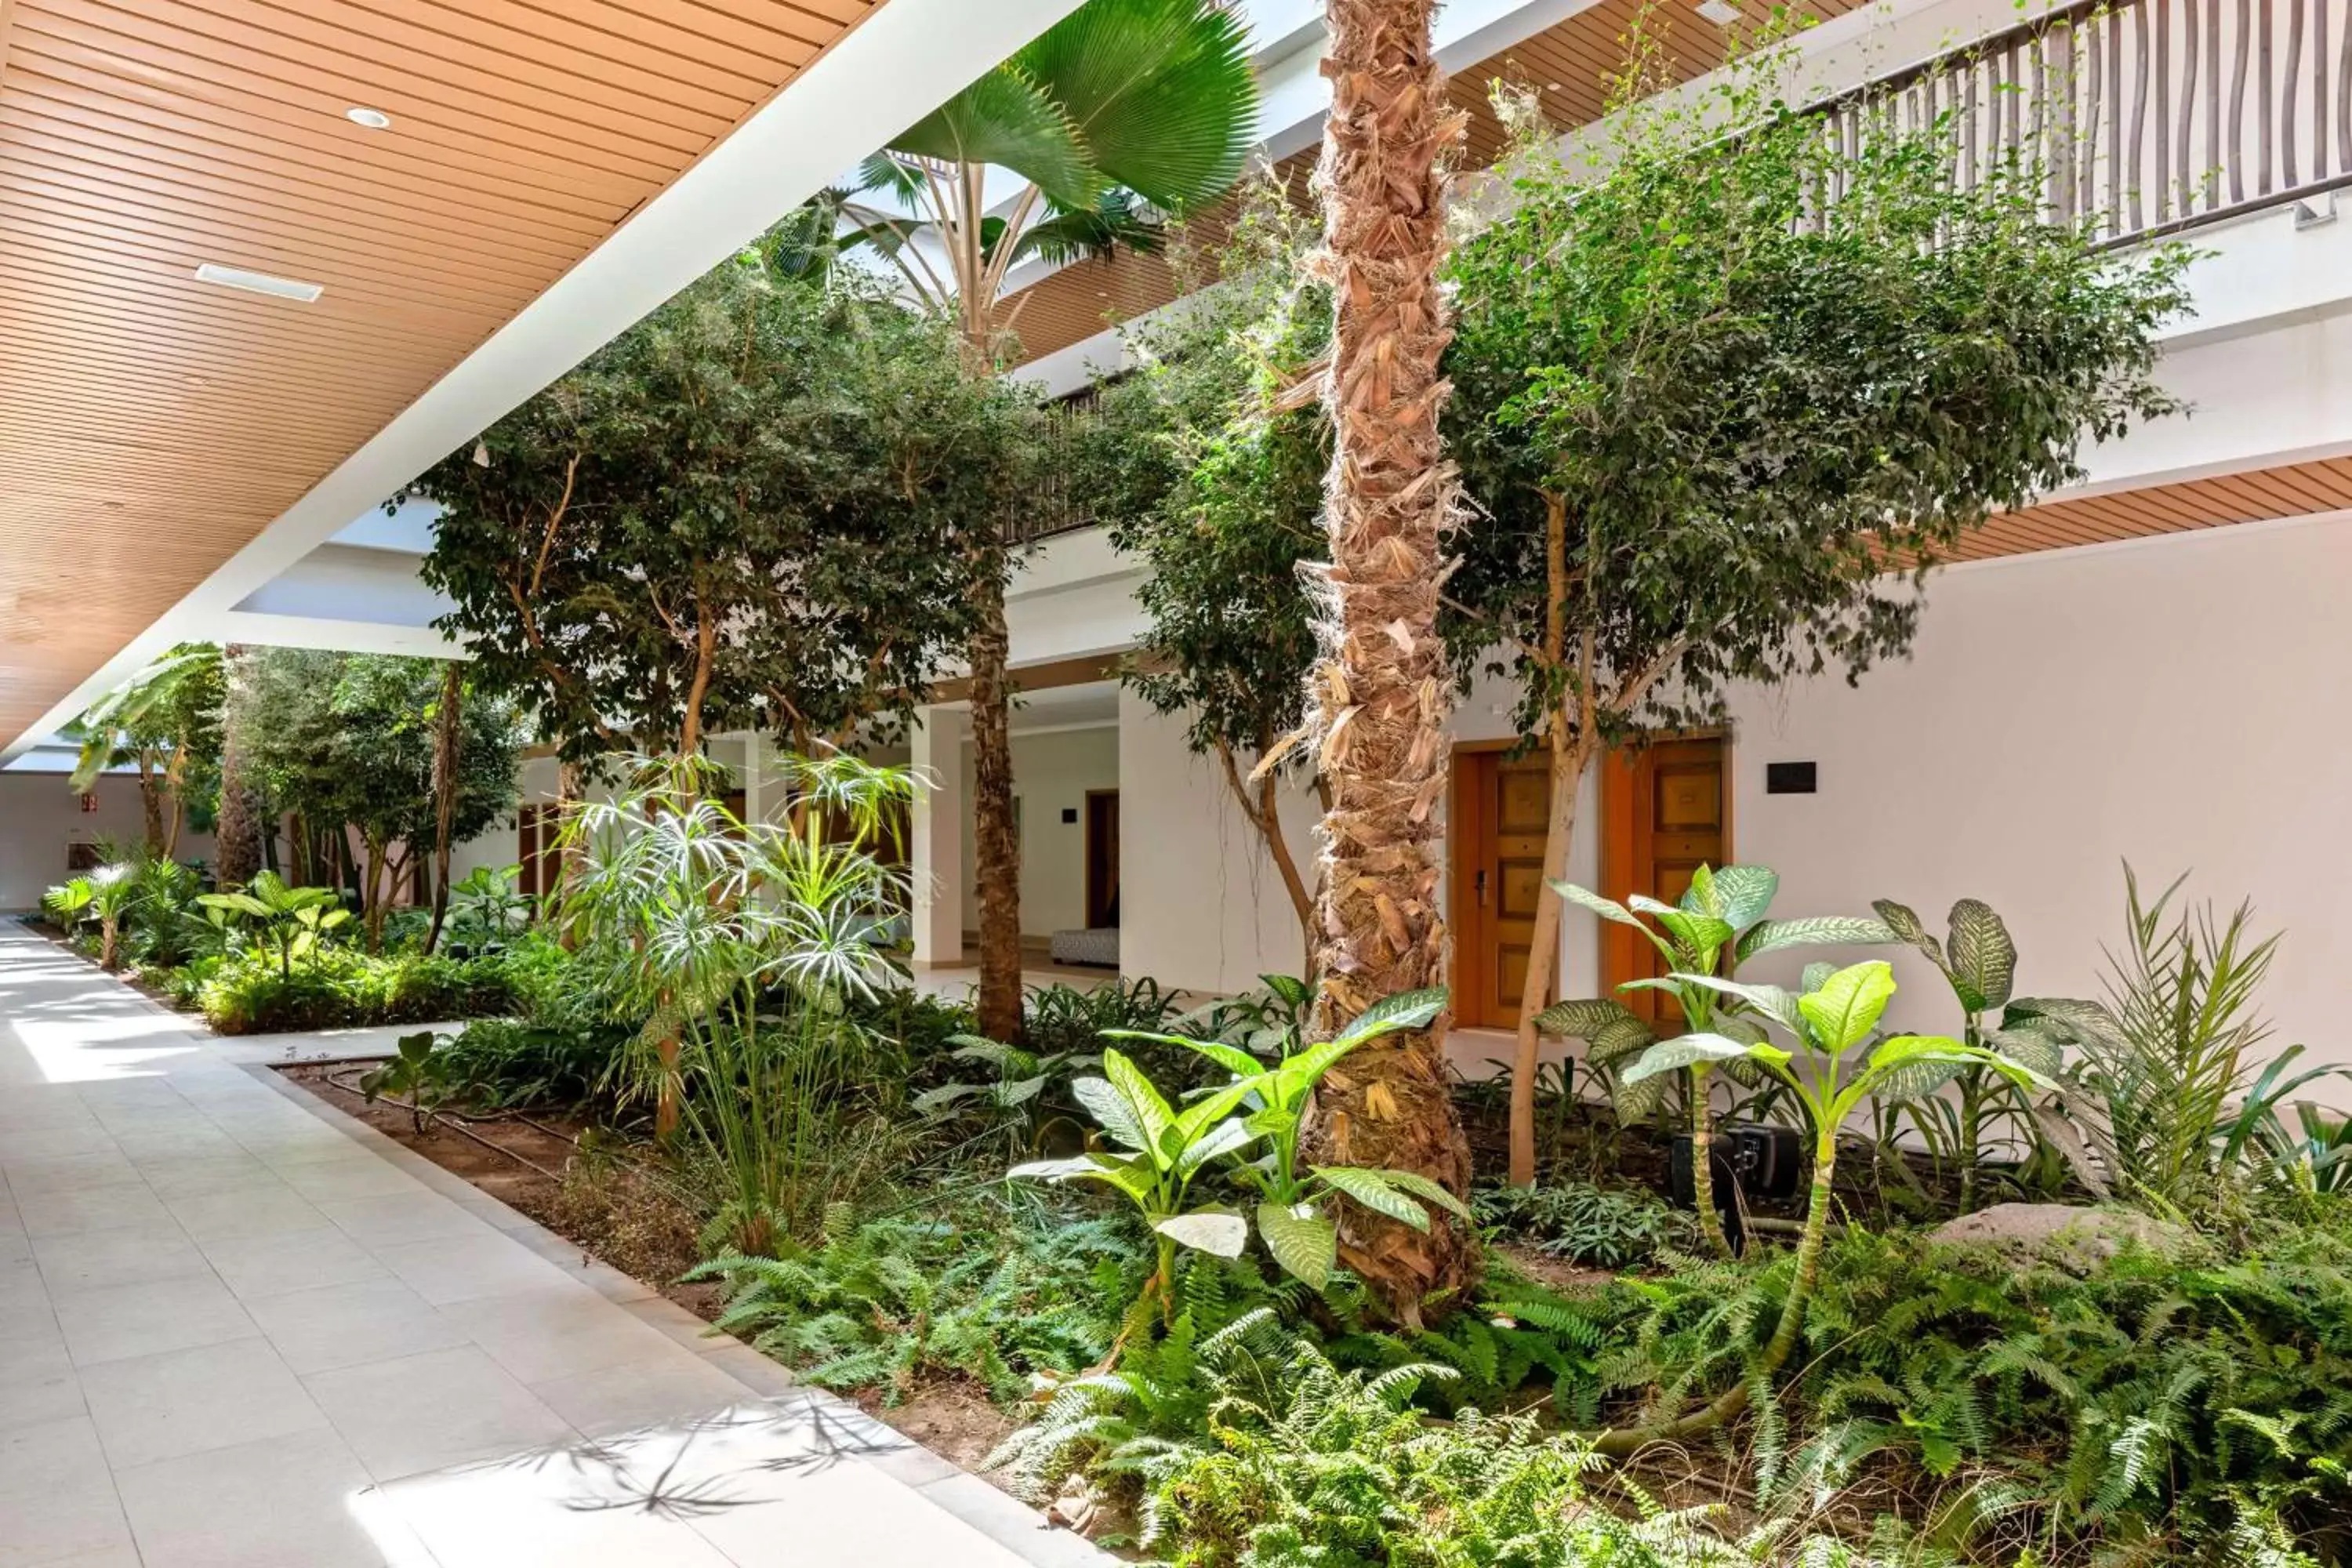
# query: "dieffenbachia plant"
1978 959
1719 924
1168 1150
1829 1021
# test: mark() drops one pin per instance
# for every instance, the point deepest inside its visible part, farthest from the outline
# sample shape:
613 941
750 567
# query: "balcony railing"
2145 117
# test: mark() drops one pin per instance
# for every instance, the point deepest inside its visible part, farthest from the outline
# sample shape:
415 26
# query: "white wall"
39 816
2179 702
1051 774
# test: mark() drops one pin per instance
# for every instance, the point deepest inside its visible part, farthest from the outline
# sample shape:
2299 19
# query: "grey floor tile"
68 1210
244 1210
278 1502
138 1255
357 1175
467 1268
675 1386
193 1175
186 1402
555 1331
24 1308
287 1260
37 1381
351 1325
431 1411
115 1322
564 1510
57 1501
396 1217
107 1167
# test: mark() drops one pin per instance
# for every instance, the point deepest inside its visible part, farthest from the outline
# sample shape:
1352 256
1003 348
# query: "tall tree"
1724 426
164 721
1122 112
1203 476
242 827
448 747
1378 697
348 743
749 511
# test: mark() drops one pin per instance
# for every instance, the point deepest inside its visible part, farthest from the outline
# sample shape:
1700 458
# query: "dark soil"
953 1417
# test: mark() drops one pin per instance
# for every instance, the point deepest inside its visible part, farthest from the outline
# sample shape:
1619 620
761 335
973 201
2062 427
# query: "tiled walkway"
238 1330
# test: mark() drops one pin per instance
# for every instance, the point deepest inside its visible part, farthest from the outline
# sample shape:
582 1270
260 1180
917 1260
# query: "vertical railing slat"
2264 122
2086 170
2185 156
2139 107
2238 110
2291 80
2213 105
2163 75
2114 24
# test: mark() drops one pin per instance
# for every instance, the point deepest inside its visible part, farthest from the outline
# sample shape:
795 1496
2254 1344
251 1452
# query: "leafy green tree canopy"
746 511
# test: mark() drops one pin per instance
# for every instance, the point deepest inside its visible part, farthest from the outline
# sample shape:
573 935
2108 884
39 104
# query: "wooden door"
1664 815
1102 859
1500 811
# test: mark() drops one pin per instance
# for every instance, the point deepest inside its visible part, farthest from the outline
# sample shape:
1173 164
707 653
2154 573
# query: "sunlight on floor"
97 1050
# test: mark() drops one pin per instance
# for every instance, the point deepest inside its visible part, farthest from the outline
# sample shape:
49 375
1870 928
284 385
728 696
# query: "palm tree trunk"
1378 695
150 805
237 852
445 794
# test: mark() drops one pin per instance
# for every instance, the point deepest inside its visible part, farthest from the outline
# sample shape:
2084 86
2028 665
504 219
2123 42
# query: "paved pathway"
238 1330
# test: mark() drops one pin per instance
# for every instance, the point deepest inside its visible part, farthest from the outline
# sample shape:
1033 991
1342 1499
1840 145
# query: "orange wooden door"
1664 815
1500 811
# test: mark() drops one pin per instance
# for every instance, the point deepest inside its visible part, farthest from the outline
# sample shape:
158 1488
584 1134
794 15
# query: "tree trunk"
1378 695
996 837
150 807
444 796
1264 810
372 897
1568 764
237 852
175 778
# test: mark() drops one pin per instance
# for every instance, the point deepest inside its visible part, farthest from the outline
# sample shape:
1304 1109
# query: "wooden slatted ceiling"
1569 63
152 425
2295 489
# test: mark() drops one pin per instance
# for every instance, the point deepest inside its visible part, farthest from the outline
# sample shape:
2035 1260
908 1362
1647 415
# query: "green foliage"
416 1072
1743 401
750 511
293 922
488 907
502 1063
2167 1408
1000 1295
249 992
2187 1102
1171 1148
1605 1228
736 945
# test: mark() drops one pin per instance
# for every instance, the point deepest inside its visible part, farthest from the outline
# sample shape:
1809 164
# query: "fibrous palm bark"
236 845
1379 694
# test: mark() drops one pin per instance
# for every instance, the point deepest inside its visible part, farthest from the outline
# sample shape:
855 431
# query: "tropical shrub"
292 922
488 908
501 1063
2188 1105
1719 924
1166 1149
257 992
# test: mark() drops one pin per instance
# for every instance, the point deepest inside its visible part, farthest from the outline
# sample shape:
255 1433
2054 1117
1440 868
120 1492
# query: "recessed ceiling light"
374 118
1722 12
259 282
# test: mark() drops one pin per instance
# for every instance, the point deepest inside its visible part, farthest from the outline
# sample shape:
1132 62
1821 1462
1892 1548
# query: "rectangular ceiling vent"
259 282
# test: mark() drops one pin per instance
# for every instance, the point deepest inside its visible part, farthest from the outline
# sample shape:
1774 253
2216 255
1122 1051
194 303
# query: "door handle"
1482 890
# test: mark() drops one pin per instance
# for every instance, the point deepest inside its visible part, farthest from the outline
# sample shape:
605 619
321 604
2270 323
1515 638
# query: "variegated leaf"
1607 909
1904 922
1817 975
2029 1047
1696 1049
2082 1022
1743 893
1580 1018
1700 898
1302 1242
1983 956
1640 1100
1812 930
1216 1231
1847 1006
1628 1037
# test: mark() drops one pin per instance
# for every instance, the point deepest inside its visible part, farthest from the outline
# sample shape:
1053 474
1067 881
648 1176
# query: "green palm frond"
1009 119
1159 92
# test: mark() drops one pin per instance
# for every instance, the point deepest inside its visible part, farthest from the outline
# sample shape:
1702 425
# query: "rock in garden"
2068 1236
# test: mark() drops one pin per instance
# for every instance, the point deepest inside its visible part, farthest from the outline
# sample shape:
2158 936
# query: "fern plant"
884 1304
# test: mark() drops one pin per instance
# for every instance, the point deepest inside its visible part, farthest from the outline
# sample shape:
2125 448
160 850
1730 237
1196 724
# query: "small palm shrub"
255 992
1001 1298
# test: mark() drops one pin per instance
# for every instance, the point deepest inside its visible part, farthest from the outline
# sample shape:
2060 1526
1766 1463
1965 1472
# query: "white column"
755 762
936 742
